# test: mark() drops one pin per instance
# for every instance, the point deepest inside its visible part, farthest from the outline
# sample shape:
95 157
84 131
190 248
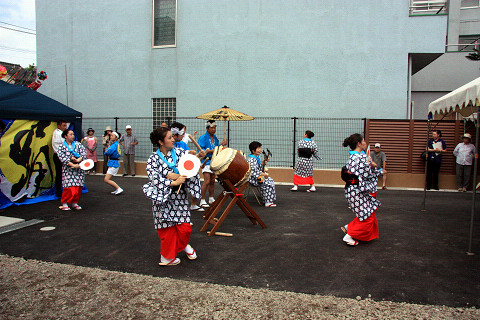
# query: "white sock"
313 188
295 187
348 238
211 199
188 249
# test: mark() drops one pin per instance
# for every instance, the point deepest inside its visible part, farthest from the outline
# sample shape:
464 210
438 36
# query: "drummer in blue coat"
209 141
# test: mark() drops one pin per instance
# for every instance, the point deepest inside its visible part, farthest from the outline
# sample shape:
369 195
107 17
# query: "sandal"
64 208
172 262
355 243
77 207
192 256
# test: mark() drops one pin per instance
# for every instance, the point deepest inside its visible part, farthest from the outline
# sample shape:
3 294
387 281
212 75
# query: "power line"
18 49
18 30
17 26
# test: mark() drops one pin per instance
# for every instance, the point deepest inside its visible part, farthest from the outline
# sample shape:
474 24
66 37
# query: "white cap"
128 127
377 145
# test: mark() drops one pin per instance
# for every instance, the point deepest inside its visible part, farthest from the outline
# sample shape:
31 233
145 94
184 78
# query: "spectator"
90 143
128 142
57 141
380 159
436 146
464 152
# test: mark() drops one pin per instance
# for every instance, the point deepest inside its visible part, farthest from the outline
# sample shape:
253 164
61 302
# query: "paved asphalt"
420 256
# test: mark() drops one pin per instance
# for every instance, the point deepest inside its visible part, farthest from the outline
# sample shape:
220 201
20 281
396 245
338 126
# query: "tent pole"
425 175
474 191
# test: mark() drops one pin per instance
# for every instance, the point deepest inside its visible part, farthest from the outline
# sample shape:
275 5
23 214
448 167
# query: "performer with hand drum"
168 190
360 191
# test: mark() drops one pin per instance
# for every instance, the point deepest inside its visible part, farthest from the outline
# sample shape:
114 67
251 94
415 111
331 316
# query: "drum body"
230 165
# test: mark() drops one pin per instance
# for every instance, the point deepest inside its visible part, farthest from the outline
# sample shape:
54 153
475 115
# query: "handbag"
424 155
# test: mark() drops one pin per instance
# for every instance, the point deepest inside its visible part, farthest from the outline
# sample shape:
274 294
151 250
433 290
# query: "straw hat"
467 135
108 128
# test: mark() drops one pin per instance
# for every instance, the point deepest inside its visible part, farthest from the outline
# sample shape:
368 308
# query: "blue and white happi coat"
71 177
267 186
169 208
358 196
304 166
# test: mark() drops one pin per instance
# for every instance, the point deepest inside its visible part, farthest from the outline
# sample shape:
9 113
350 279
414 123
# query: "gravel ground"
31 289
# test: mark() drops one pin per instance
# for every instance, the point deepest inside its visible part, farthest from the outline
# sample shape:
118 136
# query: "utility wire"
17 26
18 49
18 30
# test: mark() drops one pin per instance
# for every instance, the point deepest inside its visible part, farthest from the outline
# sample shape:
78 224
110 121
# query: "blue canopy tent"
26 156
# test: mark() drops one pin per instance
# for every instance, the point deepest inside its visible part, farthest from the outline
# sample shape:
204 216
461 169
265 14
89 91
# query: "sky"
15 46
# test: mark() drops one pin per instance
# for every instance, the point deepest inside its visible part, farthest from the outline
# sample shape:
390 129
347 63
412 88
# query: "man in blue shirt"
209 141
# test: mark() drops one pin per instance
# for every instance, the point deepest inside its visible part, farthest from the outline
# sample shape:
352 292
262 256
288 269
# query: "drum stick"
221 234
194 142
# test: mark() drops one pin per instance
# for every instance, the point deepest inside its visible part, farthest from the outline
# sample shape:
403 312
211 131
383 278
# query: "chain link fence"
279 135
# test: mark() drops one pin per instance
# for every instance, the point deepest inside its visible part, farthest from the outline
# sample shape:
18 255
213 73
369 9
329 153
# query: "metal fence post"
116 124
294 141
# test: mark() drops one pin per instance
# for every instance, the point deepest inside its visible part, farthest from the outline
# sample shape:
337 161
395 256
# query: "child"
73 178
168 191
113 152
257 168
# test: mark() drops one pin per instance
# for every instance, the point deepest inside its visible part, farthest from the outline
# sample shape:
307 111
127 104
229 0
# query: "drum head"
87 164
222 160
188 165
216 151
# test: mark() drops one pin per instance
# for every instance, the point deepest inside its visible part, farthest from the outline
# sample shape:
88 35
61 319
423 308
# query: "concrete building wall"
331 58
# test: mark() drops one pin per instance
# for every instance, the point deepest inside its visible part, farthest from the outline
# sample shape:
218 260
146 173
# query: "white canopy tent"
466 101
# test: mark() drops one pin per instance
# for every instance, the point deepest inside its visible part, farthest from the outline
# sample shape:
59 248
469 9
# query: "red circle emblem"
189 165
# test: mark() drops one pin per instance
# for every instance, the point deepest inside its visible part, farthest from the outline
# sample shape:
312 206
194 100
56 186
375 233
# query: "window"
427 7
470 4
469 43
164 110
164 23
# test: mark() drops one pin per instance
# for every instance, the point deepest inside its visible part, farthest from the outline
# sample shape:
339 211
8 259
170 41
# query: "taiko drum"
229 164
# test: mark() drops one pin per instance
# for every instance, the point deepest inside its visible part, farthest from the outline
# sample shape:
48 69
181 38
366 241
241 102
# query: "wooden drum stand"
237 198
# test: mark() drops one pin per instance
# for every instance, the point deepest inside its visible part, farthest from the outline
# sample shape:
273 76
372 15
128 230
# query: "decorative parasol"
225 114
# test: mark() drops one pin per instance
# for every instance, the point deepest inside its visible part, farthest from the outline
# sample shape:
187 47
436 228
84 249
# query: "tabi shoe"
384 188
312 189
118 191
168 262
64 207
76 206
204 204
295 188
124 175
192 255
270 204
211 200
196 208
344 228
350 241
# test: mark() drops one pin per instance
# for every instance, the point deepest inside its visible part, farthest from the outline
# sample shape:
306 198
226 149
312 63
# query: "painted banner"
27 170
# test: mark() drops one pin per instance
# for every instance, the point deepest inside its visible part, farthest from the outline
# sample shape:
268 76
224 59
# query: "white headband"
211 124
115 133
179 132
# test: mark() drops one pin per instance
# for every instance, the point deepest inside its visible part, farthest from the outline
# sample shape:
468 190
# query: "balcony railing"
427 7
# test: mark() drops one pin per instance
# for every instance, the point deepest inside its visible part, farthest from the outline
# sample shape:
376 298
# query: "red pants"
365 230
71 195
297 180
174 239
